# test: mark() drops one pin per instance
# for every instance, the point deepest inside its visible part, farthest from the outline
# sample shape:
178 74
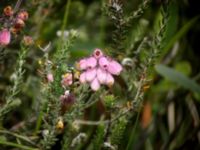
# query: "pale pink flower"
98 69
114 67
67 79
101 75
82 77
50 77
90 74
103 62
5 37
109 80
86 63
91 62
82 64
95 85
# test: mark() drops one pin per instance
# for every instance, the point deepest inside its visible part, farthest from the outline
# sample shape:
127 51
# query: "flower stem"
64 24
17 5
18 136
22 147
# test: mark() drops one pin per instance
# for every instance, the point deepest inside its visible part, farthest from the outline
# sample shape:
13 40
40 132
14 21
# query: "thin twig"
96 123
19 2
17 145
18 136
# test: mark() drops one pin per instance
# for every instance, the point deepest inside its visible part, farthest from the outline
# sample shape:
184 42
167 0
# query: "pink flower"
101 75
114 67
5 37
67 79
98 69
86 63
91 62
90 74
95 85
109 80
103 62
23 15
83 77
50 77
82 64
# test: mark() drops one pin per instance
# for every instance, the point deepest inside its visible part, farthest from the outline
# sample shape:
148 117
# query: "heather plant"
68 99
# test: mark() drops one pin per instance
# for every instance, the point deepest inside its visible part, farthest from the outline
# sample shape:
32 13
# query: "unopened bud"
23 15
19 24
50 77
5 37
8 11
27 40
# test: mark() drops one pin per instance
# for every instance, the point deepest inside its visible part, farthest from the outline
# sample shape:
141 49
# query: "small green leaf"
178 78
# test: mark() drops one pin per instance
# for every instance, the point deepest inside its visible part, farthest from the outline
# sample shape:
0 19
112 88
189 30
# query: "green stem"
39 122
17 135
130 142
64 23
17 145
65 19
102 28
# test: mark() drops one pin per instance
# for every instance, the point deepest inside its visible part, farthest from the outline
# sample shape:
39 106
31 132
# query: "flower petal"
95 85
101 75
103 62
109 79
82 78
91 62
90 74
82 64
114 67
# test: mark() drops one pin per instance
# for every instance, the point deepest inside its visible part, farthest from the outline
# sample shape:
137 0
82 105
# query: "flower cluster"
12 22
98 69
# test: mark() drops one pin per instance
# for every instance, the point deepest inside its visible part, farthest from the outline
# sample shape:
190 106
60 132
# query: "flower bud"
67 100
19 23
50 77
60 124
27 40
8 11
5 37
23 15
67 79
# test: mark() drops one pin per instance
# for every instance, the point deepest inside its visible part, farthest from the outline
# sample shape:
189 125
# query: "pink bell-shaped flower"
82 77
114 67
91 62
90 74
109 80
103 62
95 85
5 37
82 64
101 75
